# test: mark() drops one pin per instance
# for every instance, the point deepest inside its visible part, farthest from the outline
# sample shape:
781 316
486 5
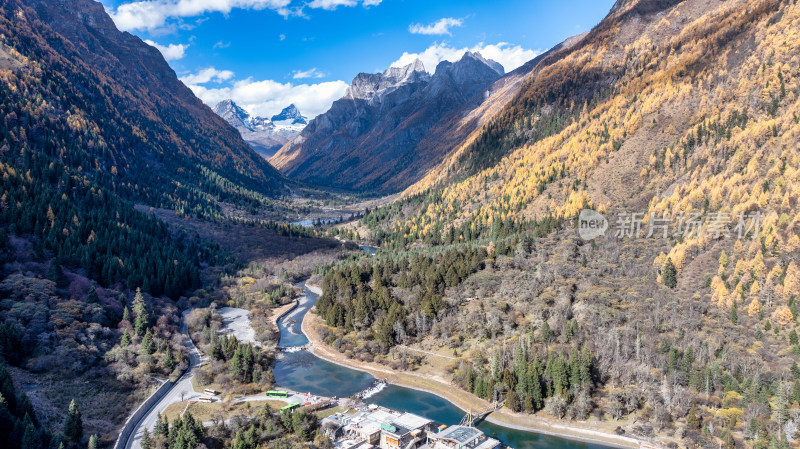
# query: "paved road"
181 391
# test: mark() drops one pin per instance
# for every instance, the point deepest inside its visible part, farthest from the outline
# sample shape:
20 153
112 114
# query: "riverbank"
317 290
595 432
279 312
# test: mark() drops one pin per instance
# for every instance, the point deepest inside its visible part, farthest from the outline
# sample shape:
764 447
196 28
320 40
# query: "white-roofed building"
412 421
462 437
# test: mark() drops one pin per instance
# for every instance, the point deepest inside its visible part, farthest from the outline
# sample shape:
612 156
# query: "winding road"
182 390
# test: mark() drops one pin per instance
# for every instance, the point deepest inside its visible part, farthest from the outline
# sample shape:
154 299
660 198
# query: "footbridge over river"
473 419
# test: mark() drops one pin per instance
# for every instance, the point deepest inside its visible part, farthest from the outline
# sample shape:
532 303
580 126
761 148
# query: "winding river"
303 371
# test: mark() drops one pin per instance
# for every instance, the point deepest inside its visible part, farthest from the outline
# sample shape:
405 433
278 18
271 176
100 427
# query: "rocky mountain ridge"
369 136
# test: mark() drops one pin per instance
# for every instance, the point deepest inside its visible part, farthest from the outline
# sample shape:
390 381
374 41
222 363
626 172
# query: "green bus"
277 394
290 407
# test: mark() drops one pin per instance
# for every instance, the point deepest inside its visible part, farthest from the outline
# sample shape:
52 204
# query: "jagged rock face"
264 135
370 136
233 114
377 86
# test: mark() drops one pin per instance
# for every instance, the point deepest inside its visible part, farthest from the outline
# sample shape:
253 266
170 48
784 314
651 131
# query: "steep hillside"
120 112
370 139
670 108
449 137
92 121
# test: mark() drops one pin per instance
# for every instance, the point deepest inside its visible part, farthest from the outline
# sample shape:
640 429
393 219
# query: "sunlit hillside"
667 108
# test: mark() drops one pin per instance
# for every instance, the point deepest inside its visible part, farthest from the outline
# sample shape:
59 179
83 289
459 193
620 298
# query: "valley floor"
593 431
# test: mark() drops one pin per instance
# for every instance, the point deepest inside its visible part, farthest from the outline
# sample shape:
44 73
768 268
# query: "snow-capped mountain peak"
233 114
291 115
264 135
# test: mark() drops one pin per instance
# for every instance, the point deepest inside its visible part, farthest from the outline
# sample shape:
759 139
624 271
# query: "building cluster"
377 427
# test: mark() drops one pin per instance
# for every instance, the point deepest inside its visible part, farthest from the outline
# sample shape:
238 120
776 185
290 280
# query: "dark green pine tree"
91 296
535 390
545 333
73 423
796 392
238 441
669 274
161 427
586 367
169 361
560 376
795 369
148 345
56 274
94 442
734 313
142 321
145 441
31 438
575 363
126 339
235 366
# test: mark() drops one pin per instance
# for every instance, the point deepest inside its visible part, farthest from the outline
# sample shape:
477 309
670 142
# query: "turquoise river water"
305 372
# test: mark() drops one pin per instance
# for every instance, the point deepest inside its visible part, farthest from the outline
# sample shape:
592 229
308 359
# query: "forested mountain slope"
92 120
447 139
666 107
107 105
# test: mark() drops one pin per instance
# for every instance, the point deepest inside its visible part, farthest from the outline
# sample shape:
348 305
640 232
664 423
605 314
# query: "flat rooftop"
398 429
365 427
382 416
411 421
460 434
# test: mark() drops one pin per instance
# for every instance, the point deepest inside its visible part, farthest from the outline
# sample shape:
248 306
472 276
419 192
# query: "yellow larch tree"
754 308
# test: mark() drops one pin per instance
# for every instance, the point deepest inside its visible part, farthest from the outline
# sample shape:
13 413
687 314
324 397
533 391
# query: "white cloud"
171 52
207 75
509 56
221 44
151 14
311 73
333 4
441 26
266 97
282 37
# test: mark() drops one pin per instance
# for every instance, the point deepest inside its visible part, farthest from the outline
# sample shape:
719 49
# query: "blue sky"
266 54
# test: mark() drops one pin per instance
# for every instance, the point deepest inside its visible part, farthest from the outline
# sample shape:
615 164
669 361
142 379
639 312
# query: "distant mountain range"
370 139
265 135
